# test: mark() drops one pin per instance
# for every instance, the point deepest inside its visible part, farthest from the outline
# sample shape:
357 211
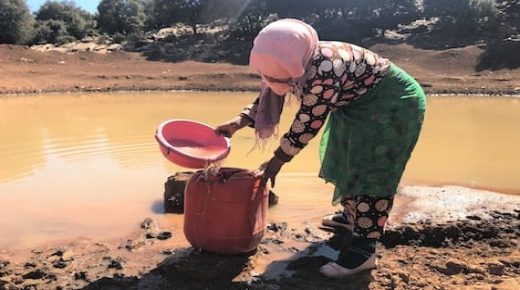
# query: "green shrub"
15 22
61 22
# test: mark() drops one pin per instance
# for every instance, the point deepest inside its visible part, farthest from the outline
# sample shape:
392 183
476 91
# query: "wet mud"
476 252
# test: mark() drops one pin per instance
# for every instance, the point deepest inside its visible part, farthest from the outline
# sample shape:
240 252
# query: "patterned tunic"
339 74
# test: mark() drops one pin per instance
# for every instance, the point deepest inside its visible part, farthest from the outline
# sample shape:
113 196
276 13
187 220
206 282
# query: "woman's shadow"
189 268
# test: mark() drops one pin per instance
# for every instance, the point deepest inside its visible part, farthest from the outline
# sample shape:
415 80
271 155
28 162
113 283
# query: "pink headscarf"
282 50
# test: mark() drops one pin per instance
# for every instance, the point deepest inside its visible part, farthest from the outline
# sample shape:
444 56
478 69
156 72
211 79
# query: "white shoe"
336 220
333 270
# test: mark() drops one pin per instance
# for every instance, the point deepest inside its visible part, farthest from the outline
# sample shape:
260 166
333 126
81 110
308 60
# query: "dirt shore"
25 70
462 239
438 238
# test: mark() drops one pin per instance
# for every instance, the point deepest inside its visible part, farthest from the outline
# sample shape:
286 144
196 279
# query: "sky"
89 5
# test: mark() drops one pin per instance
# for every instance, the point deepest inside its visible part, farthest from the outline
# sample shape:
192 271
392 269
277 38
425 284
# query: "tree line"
59 22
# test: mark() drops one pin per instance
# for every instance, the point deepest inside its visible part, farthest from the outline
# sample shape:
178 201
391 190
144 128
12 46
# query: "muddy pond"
87 165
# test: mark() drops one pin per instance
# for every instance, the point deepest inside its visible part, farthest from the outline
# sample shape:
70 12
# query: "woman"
375 115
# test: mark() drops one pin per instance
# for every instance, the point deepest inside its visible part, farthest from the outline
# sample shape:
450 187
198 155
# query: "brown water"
88 165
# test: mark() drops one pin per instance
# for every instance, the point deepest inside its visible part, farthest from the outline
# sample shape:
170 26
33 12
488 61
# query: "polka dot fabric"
339 74
367 214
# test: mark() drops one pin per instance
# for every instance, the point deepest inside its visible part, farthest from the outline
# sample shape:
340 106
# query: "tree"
15 21
350 20
164 13
191 12
250 17
78 23
462 18
51 31
509 15
121 16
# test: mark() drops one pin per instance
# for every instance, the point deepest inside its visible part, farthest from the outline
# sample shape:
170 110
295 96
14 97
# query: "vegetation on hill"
232 24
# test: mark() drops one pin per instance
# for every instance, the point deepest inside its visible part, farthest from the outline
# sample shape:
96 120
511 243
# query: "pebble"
164 235
60 264
29 265
496 269
68 255
81 275
115 264
36 274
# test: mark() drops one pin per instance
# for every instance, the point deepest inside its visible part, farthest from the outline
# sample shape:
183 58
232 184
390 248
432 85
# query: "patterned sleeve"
320 93
249 112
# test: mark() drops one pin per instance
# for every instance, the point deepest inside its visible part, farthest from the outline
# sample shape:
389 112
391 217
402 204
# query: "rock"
174 192
81 276
150 236
3 264
29 265
168 251
36 274
499 243
496 269
272 241
404 277
135 243
151 228
277 227
31 284
148 223
164 235
452 268
68 255
60 264
474 218
116 263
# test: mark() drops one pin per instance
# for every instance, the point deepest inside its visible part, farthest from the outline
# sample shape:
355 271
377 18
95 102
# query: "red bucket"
225 213
191 144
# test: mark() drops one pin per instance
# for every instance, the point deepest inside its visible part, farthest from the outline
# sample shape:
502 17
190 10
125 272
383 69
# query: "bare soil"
26 70
438 238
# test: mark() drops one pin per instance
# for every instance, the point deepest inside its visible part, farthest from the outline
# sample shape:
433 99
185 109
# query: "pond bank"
469 241
27 71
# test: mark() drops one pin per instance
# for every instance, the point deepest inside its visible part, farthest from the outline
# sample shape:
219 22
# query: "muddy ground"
438 238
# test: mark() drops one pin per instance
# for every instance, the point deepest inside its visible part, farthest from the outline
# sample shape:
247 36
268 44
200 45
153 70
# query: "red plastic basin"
191 144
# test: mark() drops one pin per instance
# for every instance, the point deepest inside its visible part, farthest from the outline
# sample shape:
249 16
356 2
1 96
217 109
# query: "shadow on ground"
189 268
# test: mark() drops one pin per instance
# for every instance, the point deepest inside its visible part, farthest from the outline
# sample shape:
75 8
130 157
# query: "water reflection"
76 165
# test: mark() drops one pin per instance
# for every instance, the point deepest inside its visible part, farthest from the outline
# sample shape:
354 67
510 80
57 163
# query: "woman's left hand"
269 170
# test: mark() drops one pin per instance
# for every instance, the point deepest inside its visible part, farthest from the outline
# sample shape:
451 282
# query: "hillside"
25 70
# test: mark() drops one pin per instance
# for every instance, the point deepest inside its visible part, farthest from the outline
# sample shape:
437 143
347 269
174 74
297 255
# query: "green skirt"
365 145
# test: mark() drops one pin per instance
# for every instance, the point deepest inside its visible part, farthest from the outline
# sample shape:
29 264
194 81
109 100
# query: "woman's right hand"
229 127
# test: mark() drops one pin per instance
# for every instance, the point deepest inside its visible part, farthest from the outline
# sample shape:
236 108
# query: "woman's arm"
245 118
320 94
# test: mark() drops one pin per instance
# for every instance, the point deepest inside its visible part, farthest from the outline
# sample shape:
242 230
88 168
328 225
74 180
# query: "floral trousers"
367 215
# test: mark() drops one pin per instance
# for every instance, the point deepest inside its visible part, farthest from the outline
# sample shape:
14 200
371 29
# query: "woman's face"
278 86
